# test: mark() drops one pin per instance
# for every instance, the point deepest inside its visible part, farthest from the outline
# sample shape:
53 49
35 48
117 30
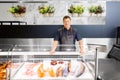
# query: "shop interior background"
87 31
33 16
102 36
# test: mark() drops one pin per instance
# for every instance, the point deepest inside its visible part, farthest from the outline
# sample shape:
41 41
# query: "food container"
33 62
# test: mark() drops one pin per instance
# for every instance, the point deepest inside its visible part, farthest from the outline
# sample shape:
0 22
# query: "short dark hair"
65 17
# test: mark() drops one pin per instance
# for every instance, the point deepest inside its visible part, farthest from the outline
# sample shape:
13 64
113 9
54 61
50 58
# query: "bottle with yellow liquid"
41 71
51 72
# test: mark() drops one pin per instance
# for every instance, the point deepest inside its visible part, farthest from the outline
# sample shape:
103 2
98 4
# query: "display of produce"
45 70
3 71
14 65
28 65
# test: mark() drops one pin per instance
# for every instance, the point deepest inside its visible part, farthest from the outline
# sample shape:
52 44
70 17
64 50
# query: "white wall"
4 14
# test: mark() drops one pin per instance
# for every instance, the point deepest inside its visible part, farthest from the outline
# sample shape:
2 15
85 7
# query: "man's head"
67 21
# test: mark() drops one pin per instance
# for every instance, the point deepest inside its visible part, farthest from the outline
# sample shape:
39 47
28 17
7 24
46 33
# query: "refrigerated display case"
33 62
4 60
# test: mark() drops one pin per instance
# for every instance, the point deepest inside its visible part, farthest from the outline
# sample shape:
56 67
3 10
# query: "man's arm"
81 46
55 43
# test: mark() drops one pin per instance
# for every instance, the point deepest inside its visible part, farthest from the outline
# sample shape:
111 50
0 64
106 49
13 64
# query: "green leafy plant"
92 9
17 9
51 9
96 9
43 9
79 9
46 9
71 9
99 10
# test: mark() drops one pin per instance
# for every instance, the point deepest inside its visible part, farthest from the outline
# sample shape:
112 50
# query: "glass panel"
4 61
33 62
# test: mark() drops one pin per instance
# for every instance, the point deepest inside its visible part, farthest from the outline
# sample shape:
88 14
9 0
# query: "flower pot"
51 14
74 14
79 15
18 15
99 14
91 14
45 15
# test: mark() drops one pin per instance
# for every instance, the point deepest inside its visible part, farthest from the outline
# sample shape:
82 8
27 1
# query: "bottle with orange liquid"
41 72
51 72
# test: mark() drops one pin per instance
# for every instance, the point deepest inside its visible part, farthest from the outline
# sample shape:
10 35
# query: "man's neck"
68 27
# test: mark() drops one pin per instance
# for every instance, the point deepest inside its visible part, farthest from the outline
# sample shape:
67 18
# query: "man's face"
67 22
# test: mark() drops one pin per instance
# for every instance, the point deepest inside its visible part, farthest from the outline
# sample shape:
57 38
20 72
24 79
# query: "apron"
67 42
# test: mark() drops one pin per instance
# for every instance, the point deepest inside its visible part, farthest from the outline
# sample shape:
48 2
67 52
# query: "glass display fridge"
4 60
34 62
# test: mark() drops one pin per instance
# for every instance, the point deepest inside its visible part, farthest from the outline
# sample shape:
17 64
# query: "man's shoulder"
74 29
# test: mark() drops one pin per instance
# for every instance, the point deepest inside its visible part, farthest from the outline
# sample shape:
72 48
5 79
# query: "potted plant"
99 10
79 10
71 10
43 10
46 10
91 10
17 11
95 10
51 10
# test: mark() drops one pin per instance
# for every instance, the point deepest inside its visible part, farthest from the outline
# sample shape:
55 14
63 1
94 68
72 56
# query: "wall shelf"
13 22
21 1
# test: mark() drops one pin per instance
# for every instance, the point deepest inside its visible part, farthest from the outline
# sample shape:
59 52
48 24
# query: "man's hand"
55 43
81 52
81 47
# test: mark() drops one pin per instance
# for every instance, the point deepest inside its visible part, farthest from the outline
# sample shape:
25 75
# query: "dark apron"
67 43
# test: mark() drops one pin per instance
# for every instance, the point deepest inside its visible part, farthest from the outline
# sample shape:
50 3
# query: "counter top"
44 53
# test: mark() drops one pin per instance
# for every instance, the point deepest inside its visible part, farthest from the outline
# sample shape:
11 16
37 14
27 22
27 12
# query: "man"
66 37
